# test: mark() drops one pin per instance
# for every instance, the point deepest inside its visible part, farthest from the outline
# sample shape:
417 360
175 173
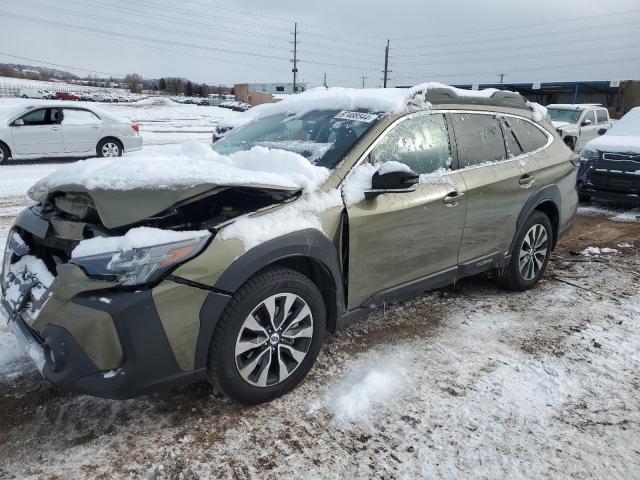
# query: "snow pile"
139 237
539 112
366 390
357 182
393 166
302 214
595 251
12 358
625 245
628 216
191 164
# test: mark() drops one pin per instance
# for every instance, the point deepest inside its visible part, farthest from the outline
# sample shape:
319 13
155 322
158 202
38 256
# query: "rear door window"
479 138
420 142
72 116
514 148
602 116
528 135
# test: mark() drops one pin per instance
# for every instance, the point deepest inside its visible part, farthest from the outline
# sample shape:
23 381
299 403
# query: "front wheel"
268 337
109 148
529 258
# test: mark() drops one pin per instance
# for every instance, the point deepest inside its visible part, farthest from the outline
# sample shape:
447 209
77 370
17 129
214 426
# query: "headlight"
588 154
141 265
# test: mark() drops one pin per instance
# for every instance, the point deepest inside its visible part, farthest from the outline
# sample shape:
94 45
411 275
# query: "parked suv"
610 164
64 130
578 124
125 278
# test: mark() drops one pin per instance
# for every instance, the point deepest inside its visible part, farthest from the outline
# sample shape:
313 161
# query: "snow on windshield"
187 165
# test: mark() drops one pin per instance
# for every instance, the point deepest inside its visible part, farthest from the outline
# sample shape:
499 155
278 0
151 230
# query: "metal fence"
12 89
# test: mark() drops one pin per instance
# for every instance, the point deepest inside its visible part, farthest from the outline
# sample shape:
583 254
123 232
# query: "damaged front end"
83 299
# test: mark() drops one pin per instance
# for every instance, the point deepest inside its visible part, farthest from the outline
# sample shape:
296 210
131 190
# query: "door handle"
526 180
95 126
55 129
452 199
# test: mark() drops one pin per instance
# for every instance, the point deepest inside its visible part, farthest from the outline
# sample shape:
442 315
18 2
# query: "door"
498 153
81 130
38 133
588 131
396 239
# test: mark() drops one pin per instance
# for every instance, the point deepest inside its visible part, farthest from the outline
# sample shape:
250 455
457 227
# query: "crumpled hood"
557 124
130 189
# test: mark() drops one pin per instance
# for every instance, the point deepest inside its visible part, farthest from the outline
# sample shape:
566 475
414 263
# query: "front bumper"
93 337
608 195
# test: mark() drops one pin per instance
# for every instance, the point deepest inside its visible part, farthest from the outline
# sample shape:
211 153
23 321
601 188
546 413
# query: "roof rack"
498 98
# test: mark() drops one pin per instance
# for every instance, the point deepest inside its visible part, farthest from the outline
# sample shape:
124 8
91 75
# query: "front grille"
622 157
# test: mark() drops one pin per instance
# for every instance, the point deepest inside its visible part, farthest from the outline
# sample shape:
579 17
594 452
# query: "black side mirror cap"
395 181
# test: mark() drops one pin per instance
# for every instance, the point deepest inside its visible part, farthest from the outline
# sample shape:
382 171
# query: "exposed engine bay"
73 217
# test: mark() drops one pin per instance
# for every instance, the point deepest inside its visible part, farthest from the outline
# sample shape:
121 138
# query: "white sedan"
64 130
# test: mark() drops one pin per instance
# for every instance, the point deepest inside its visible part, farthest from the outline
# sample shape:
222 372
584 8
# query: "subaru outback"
232 262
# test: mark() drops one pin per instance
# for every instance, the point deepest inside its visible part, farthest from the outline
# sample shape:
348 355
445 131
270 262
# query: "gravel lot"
468 381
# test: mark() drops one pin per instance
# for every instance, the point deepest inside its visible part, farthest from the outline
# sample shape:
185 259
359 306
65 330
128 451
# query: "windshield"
323 137
563 115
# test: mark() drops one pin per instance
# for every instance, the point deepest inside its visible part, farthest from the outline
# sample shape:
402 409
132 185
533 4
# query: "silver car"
56 130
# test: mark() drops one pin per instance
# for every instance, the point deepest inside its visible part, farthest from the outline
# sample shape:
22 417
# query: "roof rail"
498 98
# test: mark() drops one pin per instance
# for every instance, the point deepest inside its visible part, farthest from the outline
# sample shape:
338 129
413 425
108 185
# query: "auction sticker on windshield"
357 116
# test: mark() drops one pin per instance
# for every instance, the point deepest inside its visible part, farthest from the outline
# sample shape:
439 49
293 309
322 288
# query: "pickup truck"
578 124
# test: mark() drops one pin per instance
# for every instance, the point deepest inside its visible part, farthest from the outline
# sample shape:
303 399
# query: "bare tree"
133 82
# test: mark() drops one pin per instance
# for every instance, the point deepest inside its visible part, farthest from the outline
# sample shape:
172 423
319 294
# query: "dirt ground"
468 381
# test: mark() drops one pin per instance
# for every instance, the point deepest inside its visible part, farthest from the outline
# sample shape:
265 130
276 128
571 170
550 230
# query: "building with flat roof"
258 93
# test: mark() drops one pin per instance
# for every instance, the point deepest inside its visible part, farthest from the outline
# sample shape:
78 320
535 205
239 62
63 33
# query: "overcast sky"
454 41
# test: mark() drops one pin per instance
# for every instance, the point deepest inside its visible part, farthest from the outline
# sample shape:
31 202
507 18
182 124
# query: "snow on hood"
615 143
186 166
557 124
622 137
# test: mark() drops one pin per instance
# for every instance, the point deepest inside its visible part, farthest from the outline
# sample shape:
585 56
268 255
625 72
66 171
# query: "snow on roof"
574 106
186 166
382 100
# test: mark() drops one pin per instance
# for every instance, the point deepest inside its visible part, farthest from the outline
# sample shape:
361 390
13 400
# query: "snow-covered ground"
465 382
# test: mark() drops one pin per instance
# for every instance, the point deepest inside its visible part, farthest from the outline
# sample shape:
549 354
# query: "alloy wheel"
274 339
110 149
533 252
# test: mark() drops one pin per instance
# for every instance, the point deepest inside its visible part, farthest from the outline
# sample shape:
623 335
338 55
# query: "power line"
528 69
505 39
513 27
141 25
515 57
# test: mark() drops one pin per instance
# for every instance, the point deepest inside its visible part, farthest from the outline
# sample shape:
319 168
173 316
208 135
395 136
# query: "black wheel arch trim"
549 194
309 244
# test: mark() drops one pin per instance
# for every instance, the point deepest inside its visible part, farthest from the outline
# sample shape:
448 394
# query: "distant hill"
32 72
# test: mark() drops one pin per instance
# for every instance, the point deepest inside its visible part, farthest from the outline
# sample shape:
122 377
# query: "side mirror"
18 123
392 182
602 131
586 123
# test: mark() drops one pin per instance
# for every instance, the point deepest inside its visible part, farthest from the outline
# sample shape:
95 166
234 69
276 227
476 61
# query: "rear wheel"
4 154
532 249
268 337
109 147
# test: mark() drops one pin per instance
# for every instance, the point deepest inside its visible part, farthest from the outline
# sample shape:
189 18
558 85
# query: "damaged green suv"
231 262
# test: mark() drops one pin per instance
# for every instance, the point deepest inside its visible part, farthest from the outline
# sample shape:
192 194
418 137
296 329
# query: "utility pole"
325 80
386 65
295 56
363 79
501 75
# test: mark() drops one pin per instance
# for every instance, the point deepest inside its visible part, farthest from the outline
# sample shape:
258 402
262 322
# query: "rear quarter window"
602 116
529 136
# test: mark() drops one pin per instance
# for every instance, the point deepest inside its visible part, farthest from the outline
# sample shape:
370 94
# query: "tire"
4 154
537 230
109 147
571 143
24 96
247 374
